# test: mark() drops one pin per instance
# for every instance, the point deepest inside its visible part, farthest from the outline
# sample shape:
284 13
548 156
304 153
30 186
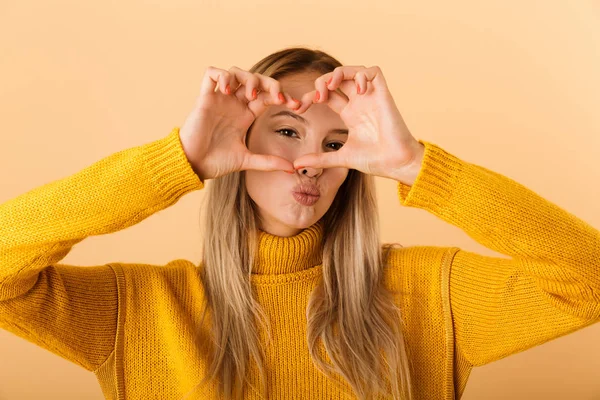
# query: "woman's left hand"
379 143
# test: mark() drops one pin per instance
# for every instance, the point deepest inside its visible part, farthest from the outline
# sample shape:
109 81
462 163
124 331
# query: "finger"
240 93
321 160
305 102
347 87
264 101
266 162
243 93
210 80
337 76
261 83
255 84
373 79
337 102
362 86
273 87
294 104
365 80
321 87
343 73
223 83
278 96
259 104
249 84
234 84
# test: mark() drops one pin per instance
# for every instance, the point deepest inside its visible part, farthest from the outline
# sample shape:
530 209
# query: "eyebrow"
304 121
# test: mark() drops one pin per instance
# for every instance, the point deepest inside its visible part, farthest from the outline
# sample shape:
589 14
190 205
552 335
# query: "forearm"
408 174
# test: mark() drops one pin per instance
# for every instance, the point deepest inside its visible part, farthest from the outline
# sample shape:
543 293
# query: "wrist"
408 173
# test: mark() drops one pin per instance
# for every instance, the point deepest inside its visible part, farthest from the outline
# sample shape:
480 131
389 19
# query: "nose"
311 172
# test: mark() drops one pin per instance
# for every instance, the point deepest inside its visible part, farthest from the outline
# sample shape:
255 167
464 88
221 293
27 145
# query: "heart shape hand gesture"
379 142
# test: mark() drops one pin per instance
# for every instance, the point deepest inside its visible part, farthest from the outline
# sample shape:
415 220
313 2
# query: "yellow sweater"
134 325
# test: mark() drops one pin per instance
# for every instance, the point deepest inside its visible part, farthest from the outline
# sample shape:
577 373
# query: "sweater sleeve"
550 285
72 310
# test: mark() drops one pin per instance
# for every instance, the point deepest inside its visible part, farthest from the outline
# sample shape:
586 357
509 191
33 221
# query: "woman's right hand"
214 133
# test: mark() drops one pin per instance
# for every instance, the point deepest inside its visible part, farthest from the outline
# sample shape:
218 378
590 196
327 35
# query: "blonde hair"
369 350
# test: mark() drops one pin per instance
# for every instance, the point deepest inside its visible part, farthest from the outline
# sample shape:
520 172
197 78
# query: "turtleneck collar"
283 255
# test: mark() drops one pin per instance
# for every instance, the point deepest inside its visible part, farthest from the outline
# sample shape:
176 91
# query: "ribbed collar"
283 255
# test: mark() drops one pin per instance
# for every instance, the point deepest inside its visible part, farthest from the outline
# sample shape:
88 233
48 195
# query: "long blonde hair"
350 300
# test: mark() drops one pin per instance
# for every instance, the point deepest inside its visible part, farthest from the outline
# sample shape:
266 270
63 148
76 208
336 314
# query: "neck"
282 255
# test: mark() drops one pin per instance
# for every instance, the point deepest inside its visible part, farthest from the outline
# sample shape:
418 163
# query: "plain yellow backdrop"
510 85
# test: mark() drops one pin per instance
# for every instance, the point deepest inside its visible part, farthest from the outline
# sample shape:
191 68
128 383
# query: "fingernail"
317 96
227 89
329 81
254 93
281 97
358 88
291 172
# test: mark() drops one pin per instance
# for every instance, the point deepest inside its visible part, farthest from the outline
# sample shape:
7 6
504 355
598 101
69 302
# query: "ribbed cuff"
169 169
434 185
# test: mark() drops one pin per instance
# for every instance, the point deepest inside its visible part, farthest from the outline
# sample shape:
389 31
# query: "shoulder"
177 273
416 268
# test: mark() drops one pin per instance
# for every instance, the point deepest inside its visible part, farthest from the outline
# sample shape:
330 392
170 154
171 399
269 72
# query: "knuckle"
276 85
210 70
237 71
256 77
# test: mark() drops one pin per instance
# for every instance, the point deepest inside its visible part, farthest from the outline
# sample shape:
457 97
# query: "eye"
338 143
285 129
280 131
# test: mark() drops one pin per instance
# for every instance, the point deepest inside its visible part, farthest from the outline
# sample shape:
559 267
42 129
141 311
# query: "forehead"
297 85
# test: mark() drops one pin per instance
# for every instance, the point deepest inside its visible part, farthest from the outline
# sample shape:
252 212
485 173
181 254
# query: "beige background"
510 85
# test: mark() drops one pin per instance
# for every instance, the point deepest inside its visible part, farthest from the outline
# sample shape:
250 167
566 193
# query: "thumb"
319 160
266 162
336 102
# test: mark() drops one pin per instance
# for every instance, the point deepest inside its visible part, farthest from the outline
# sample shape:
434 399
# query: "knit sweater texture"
137 326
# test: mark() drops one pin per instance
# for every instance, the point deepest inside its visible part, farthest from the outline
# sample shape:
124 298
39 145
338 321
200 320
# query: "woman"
340 314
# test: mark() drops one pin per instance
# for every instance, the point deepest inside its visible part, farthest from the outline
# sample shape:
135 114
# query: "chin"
298 221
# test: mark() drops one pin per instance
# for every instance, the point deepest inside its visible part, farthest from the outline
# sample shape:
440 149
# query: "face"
281 212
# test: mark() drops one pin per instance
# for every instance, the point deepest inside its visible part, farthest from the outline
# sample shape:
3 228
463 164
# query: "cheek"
252 180
334 180
282 149
339 175
263 186
271 146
